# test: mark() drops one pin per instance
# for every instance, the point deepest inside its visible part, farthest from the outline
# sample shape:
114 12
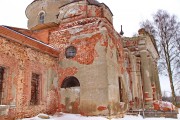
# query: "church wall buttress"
96 49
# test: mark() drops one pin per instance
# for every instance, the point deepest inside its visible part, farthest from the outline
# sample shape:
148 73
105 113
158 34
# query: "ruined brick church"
71 59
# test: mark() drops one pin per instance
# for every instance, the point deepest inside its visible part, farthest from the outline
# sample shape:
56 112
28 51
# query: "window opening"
41 17
35 89
70 52
1 83
120 90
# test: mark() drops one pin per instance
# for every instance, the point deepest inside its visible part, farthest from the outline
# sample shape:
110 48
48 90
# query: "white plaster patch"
72 12
75 30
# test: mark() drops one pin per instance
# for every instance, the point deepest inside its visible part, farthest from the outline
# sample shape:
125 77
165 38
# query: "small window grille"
35 89
70 52
1 83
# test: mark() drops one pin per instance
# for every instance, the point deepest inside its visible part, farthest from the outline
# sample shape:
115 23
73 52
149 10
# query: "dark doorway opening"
70 82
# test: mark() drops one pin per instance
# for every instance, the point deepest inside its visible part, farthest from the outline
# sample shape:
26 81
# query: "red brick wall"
19 62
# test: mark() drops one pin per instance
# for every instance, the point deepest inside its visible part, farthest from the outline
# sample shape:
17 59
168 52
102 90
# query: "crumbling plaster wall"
133 79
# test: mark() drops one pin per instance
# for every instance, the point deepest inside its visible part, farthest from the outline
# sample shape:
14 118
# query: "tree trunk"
172 87
168 62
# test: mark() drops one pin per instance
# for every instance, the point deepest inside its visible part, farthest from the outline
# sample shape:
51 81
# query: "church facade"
71 59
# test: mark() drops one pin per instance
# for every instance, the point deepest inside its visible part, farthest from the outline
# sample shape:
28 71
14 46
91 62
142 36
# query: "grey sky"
126 12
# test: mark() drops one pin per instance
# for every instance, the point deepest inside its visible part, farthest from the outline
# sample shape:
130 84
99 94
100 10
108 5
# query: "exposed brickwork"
65 73
20 62
8 33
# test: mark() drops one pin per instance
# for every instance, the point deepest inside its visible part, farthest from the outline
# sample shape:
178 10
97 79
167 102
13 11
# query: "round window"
70 52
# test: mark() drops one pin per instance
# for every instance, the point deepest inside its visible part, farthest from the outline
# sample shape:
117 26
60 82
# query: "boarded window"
1 83
35 89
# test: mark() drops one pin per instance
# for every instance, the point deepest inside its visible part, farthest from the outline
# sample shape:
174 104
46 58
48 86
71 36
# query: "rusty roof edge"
55 51
29 37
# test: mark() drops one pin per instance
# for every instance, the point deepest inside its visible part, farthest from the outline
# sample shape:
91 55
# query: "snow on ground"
63 116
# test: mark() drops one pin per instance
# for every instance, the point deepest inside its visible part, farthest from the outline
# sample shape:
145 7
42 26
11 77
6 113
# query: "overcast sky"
128 13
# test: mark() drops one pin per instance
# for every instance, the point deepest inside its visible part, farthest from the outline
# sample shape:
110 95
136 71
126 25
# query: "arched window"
70 82
41 17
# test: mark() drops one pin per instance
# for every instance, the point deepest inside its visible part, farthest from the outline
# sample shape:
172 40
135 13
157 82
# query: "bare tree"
177 75
165 96
166 30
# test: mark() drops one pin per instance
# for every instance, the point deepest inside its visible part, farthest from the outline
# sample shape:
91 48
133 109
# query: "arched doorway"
70 82
70 94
